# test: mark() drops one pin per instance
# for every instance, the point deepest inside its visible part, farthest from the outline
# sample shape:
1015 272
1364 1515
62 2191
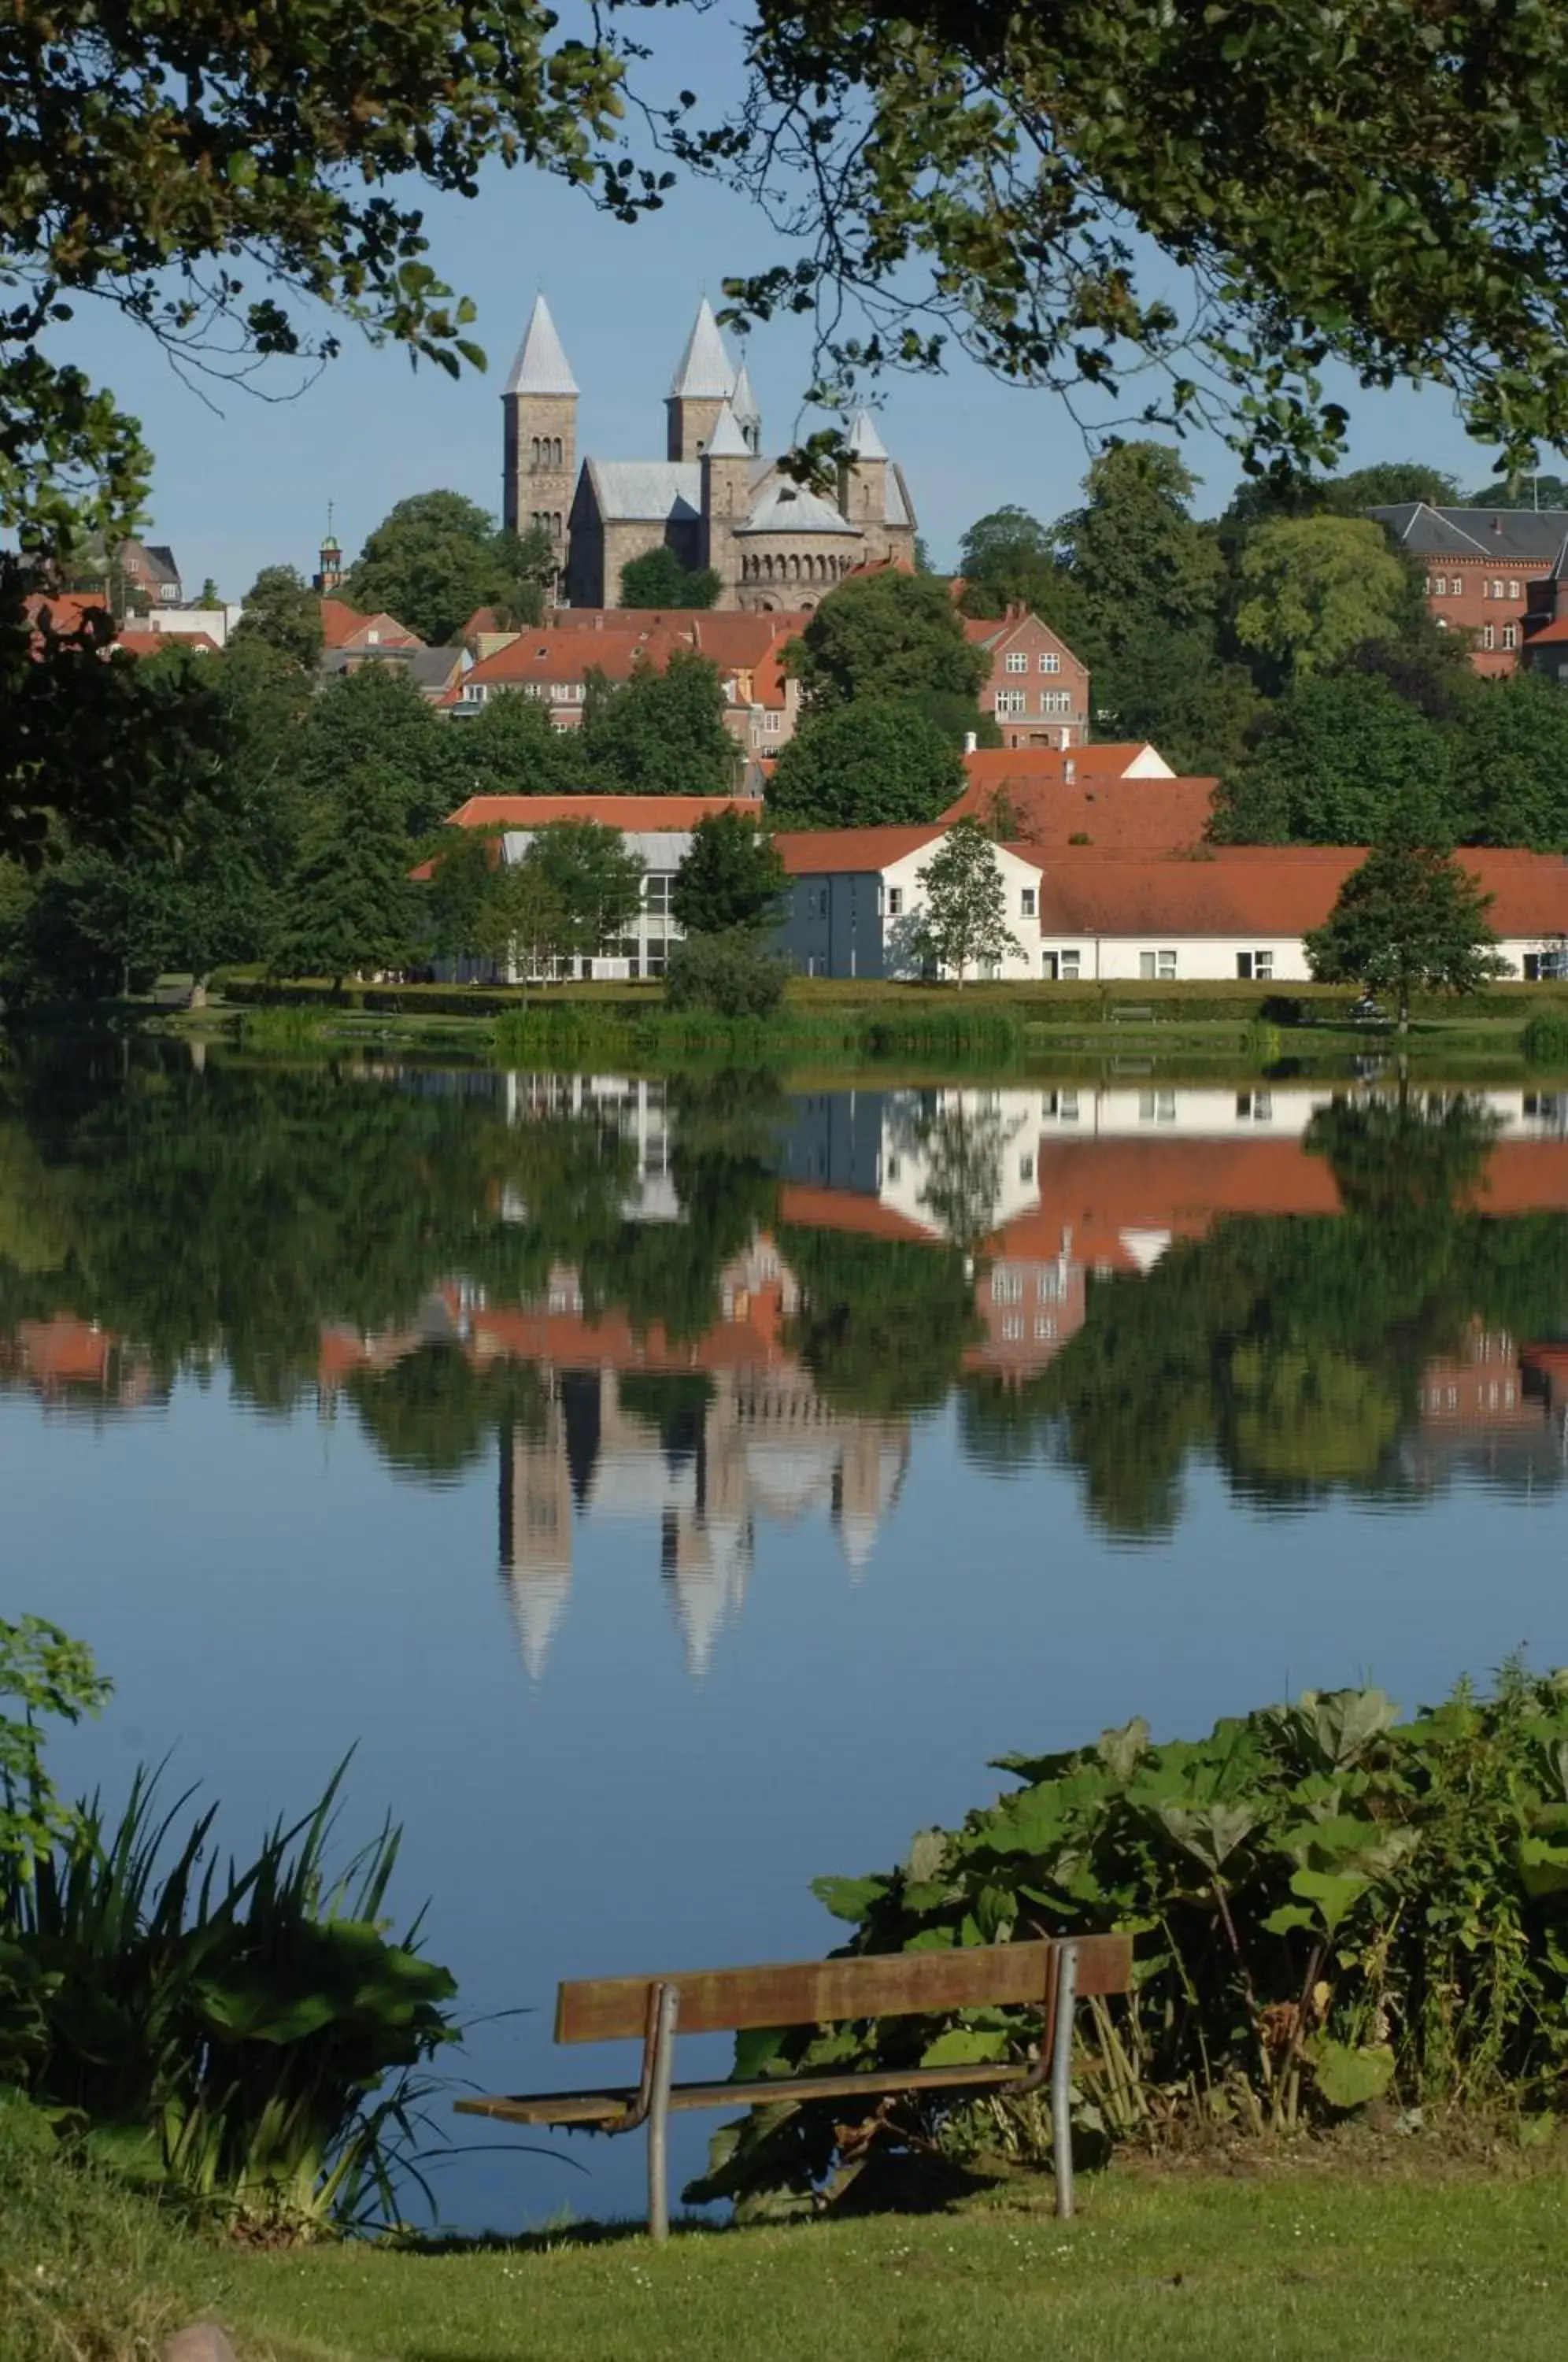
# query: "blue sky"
247 484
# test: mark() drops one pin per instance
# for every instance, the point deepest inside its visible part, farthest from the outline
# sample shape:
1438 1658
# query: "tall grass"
1544 1040
253 2026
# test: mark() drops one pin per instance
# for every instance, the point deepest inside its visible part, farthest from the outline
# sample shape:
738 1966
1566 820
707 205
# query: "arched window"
556 526
768 569
557 450
794 570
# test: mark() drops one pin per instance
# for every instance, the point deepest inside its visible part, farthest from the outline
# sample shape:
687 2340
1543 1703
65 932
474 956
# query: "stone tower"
700 389
539 407
726 492
863 484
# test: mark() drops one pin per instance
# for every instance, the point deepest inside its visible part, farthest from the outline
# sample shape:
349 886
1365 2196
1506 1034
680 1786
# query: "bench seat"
610 2107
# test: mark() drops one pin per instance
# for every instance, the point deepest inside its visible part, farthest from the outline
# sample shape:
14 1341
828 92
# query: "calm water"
681 1490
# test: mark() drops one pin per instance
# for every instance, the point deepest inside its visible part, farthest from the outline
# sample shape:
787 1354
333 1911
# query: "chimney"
971 740
1070 772
598 619
1497 526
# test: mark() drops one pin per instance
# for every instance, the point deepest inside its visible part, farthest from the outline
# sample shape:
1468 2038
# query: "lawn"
1397 2266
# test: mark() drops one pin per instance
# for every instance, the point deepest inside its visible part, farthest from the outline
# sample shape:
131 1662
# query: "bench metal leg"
1062 2078
666 2012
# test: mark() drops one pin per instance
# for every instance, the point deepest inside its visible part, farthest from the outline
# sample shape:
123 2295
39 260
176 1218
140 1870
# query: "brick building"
1479 566
1038 693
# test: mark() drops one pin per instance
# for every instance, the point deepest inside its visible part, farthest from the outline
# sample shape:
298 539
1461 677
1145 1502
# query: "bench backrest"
826 1992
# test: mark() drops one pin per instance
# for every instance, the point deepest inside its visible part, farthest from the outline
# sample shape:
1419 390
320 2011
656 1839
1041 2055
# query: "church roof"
862 438
641 489
743 401
541 366
705 372
727 441
895 505
790 508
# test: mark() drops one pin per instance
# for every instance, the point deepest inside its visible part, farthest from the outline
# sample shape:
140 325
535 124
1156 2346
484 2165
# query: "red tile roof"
816 851
153 643
343 627
1118 815
636 814
67 610
1270 891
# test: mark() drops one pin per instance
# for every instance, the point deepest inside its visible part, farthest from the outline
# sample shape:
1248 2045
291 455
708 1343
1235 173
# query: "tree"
437 557
882 760
1387 483
351 905
510 747
375 719
1528 490
209 595
282 609
1133 550
886 635
657 579
731 878
660 732
1344 760
1316 588
1174 690
1510 757
964 918
590 876
1008 559
1409 919
464 864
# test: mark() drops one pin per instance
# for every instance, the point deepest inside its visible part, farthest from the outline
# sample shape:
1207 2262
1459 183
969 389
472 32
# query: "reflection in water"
704 1305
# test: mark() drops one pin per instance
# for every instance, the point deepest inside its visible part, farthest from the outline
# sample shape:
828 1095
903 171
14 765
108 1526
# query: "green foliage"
1134 548
882 1324
726 972
884 636
880 761
731 877
1344 760
349 904
1544 1039
510 747
1316 588
282 609
660 732
965 920
375 719
1327 1907
437 557
1387 483
657 579
49 1677
241 2023
1409 919
585 876
1511 764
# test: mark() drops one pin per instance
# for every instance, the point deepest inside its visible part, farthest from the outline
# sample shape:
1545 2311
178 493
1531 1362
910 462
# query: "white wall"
902 877
1201 959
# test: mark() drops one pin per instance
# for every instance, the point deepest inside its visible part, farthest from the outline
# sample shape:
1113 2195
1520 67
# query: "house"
714 498
1478 567
1038 693
553 661
658 829
858 897
1114 799
1242 911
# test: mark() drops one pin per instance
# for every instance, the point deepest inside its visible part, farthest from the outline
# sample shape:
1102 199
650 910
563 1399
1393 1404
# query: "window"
655 891
1160 965
1050 664
1072 963
1007 1287
1055 700
1018 663
1013 1330
895 901
1044 1329
1013 700
1513 590
1244 967
1510 636
1497 588
1262 966
1026 1168
1489 635
1026 902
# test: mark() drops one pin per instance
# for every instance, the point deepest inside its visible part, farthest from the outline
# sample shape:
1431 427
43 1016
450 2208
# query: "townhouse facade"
1479 568
1038 693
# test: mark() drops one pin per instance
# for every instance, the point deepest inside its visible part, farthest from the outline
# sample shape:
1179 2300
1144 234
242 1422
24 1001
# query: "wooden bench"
1122 1015
1050 1975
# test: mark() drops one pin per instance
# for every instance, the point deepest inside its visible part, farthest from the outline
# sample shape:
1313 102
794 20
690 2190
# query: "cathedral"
714 499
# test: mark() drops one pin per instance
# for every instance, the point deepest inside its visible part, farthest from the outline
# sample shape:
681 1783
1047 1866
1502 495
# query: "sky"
245 480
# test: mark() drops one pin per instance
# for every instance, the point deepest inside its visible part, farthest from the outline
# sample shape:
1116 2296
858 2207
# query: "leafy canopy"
1316 588
885 636
1409 919
282 609
437 557
660 732
964 921
591 879
730 879
879 761
657 579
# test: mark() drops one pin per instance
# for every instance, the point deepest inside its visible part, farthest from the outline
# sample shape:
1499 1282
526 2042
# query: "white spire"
863 439
728 442
541 366
705 373
743 401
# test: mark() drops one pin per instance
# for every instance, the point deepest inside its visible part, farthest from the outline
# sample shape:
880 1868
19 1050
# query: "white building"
857 898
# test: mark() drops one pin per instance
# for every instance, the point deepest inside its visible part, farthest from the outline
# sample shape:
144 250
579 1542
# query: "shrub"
1328 1909
1544 1040
726 973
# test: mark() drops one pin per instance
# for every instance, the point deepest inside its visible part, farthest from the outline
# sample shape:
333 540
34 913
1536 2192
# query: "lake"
678 1489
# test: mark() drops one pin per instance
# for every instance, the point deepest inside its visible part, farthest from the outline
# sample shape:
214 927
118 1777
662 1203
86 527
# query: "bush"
1328 1910
1545 1039
728 972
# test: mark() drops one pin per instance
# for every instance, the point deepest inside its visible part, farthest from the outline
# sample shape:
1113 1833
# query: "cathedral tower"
726 493
700 389
539 406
